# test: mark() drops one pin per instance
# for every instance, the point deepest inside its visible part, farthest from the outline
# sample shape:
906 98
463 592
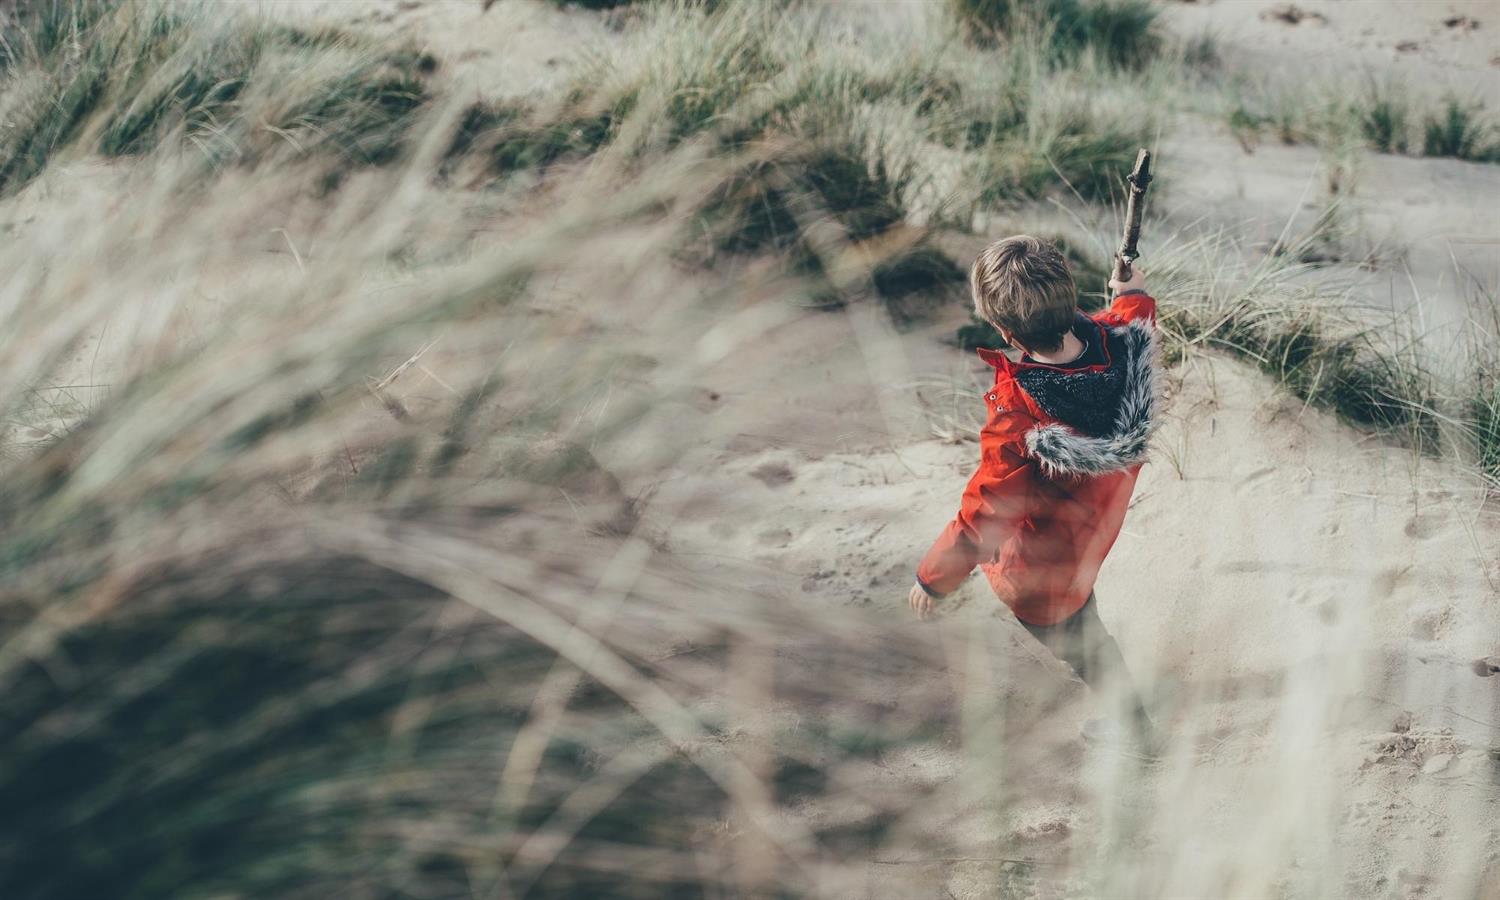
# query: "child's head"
1023 287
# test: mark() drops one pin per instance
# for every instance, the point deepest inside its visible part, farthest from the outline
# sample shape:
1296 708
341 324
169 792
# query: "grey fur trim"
1064 453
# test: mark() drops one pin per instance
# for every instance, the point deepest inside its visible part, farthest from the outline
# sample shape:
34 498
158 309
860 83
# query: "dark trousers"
1081 641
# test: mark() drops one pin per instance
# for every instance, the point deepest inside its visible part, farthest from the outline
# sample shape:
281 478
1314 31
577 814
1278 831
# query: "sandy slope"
1307 603
1437 43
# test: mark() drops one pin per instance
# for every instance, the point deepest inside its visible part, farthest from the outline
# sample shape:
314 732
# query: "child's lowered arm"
991 507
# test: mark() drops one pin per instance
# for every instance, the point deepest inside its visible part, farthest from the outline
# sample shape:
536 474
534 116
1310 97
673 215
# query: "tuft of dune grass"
1461 130
120 79
1388 116
1358 364
1124 33
1483 417
836 127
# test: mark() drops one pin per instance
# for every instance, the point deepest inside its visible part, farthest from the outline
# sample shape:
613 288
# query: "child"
1067 430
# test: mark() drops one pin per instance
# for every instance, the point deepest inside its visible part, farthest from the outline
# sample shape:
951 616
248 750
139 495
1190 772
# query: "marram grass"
121 79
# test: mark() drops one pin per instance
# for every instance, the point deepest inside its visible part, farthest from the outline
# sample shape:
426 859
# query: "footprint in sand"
774 537
1325 606
1432 623
1422 527
773 474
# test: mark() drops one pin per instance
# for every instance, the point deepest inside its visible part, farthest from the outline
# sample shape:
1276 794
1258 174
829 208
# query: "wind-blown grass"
118 79
830 129
36 30
279 713
1311 342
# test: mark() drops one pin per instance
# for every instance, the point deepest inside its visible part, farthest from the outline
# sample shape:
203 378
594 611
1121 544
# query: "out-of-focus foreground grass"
270 631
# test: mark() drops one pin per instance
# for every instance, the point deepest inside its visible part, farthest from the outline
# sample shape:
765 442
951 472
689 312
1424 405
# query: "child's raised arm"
1131 299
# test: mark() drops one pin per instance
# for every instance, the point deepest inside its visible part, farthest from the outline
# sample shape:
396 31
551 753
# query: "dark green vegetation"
1382 118
595 4
120 80
820 205
1121 32
513 138
799 113
1461 130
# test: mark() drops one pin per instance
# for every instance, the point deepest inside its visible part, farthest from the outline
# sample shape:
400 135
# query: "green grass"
1123 33
748 76
772 203
687 71
36 29
919 271
1384 117
1347 376
1200 52
1460 130
595 4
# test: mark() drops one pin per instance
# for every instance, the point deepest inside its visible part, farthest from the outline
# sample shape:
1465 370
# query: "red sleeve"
1129 307
993 504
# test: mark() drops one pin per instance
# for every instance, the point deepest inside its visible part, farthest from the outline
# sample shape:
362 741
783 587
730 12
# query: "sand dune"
1306 602
1309 606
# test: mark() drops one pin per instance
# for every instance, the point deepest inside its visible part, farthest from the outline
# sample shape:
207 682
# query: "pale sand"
1307 602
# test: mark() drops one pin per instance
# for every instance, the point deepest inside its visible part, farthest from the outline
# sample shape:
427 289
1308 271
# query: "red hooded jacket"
1058 461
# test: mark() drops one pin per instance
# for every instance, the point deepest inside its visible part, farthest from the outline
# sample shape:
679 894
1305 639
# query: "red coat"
1058 461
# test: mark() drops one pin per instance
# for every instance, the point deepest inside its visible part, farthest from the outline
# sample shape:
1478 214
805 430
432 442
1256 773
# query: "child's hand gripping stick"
1140 179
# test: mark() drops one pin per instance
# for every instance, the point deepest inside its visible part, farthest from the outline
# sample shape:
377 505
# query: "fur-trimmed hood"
1105 413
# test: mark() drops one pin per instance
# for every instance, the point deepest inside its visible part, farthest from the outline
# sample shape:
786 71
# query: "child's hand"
920 601
1136 282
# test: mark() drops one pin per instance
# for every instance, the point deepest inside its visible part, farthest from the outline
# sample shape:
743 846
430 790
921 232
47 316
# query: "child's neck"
1071 349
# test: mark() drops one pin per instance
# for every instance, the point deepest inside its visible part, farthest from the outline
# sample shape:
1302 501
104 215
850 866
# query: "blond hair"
1023 285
